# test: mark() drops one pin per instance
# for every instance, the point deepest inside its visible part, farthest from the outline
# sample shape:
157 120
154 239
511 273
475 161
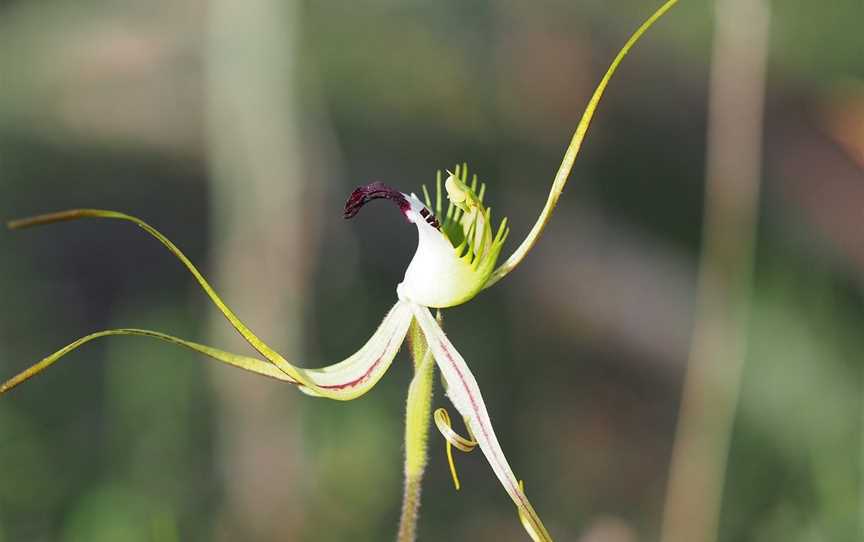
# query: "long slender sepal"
248 335
572 150
244 362
342 381
465 394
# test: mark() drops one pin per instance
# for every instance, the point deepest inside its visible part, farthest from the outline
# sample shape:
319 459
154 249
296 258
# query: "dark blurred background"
238 129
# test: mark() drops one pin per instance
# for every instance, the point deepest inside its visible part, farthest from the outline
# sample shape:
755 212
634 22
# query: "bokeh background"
238 129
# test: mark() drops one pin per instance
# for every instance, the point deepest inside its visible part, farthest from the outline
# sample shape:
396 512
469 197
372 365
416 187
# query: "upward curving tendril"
573 150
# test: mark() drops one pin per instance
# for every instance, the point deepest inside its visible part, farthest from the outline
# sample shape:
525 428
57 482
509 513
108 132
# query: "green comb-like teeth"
454 262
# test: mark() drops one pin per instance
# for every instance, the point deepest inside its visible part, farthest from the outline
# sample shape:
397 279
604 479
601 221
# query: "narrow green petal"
244 362
463 391
570 156
251 338
342 381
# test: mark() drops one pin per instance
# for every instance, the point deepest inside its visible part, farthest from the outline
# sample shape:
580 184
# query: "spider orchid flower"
457 252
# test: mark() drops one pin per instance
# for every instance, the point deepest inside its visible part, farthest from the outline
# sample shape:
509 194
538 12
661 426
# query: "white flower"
456 254
456 251
455 259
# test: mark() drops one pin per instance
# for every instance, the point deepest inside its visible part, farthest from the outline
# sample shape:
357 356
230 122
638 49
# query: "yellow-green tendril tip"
442 421
572 150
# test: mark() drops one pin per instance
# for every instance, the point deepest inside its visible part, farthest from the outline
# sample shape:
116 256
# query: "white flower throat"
456 250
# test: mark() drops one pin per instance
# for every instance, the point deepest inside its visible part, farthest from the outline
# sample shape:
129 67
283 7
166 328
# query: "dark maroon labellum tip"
364 194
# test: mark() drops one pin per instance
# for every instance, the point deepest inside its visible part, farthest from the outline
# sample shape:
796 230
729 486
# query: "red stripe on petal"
487 433
362 378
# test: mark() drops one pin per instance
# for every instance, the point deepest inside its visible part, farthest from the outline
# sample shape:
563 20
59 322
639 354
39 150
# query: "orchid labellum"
457 252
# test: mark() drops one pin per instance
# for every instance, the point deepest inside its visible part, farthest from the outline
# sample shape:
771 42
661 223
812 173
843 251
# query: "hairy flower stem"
417 418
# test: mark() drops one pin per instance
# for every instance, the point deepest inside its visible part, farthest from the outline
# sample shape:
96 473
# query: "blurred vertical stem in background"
719 341
263 240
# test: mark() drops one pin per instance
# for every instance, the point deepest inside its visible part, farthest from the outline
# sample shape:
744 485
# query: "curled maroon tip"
364 194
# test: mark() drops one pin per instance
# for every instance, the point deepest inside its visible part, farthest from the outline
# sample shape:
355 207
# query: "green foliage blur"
580 352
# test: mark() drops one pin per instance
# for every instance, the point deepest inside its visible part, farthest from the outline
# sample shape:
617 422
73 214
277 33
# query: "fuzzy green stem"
417 418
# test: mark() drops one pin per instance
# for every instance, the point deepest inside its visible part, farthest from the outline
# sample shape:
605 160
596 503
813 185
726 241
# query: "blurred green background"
239 128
